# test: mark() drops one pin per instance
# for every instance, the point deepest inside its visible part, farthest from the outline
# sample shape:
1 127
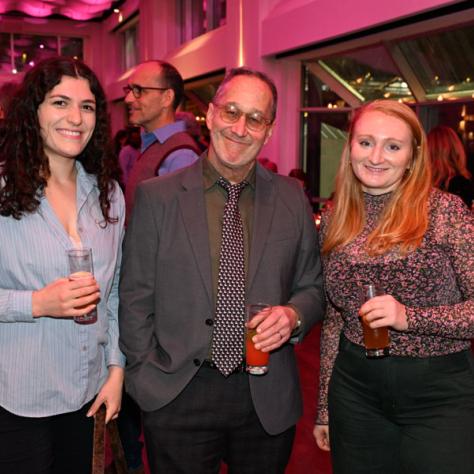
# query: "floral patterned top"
435 283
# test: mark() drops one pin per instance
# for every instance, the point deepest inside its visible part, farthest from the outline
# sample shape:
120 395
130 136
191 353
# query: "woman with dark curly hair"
58 191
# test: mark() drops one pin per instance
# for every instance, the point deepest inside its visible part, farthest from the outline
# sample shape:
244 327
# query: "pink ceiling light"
74 9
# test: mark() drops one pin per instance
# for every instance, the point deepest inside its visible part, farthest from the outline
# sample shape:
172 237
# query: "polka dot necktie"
228 336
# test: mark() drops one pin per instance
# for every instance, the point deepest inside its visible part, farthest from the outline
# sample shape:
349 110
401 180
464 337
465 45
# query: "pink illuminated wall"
254 33
296 23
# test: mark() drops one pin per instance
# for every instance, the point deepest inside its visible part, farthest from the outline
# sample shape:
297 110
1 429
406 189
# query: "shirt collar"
211 176
162 134
85 182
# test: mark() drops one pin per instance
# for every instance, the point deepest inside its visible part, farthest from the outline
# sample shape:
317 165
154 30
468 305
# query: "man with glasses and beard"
153 93
201 244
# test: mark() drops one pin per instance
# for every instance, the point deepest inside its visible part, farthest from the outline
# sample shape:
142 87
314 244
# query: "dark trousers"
401 415
213 420
130 428
57 444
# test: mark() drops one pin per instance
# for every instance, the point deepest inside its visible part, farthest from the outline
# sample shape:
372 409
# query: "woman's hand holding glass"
64 298
384 310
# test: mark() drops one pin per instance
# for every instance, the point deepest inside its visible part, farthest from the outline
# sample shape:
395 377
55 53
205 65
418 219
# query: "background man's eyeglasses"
231 114
137 90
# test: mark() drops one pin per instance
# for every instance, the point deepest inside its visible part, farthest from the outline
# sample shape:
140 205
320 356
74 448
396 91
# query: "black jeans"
57 444
401 415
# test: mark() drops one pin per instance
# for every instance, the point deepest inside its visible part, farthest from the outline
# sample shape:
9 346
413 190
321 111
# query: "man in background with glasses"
201 243
153 93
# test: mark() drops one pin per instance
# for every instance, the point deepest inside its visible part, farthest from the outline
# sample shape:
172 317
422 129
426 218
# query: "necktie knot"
233 190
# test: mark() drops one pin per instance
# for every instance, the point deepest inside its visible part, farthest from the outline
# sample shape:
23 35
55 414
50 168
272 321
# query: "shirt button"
197 362
209 322
84 348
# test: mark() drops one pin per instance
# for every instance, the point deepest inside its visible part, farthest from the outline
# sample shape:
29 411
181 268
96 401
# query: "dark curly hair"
24 167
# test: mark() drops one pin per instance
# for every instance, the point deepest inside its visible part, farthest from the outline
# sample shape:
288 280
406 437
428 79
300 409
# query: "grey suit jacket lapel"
193 208
264 208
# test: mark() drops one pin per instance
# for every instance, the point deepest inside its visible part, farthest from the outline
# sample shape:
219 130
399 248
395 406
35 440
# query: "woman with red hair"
411 412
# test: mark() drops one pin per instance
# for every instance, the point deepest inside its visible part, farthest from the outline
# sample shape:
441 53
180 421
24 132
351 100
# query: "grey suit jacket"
166 290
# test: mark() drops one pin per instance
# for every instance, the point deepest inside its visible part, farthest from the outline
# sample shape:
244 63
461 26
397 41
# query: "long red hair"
448 157
404 220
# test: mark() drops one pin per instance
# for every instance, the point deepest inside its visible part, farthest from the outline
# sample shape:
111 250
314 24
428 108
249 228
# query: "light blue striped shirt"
49 365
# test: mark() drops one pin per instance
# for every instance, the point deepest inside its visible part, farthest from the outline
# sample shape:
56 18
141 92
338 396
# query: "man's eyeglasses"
137 90
255 121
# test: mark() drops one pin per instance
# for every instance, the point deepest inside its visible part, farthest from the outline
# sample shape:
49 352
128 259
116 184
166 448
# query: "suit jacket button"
197 362
209 322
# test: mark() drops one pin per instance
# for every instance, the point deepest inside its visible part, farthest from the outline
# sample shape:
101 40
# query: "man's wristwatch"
298 324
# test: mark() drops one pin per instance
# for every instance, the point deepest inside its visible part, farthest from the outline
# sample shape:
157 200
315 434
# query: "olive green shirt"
216 198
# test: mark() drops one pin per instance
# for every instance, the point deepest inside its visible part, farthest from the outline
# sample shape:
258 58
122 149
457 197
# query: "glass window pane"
333 139
130 46
324 136
221 12
318 94
369 73
443 62
199 16
72 47
29 49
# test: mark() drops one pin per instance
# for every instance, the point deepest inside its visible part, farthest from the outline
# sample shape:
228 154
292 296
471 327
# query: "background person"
7 92
199 406
129 153
449 164
154 92
120 138
58 192
194 129
268 164
302 178
411 412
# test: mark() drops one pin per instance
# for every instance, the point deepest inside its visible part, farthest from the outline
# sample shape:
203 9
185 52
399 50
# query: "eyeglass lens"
134 89
232 114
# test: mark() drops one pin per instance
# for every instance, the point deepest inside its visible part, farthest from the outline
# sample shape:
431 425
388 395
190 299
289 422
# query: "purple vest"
148 163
